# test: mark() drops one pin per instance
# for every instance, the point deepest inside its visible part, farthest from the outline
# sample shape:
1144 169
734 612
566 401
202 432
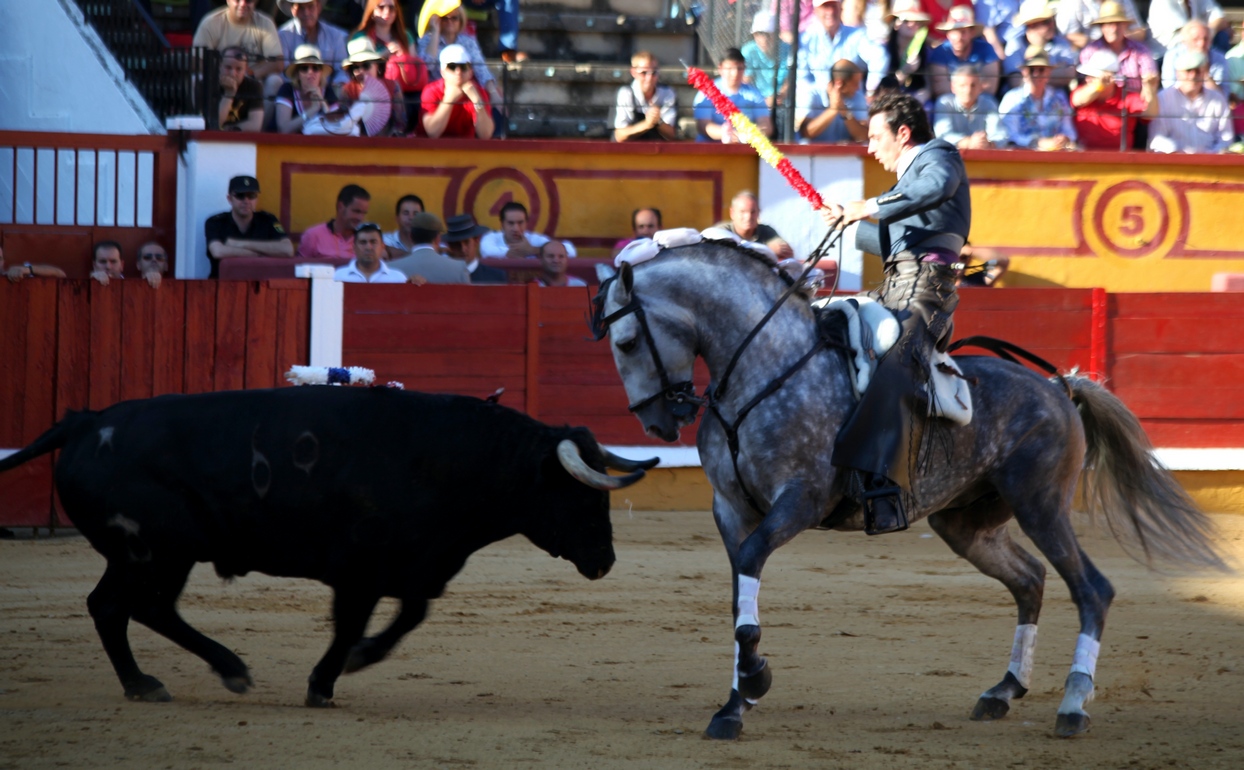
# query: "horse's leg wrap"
752 677
1078 691
995 702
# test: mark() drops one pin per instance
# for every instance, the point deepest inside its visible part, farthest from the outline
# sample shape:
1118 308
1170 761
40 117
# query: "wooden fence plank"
138 330
262 324
105 348
434 332
73 346
434 300
39 411
200 361
14 301
168 354
230 372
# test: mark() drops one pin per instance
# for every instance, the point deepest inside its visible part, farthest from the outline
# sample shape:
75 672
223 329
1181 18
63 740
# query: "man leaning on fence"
243 230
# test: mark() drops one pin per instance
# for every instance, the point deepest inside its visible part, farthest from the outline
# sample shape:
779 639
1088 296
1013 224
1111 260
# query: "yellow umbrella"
438 7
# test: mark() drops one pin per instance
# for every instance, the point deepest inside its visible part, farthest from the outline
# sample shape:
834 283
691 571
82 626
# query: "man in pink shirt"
335 238
1136 64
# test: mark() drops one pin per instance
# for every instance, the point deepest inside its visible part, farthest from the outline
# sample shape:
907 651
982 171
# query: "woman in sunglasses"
385 26
308 92
363 65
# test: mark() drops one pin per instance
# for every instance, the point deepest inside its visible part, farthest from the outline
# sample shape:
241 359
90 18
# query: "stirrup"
884 511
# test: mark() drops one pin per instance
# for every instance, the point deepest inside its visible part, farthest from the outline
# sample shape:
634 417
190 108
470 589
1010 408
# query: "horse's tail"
1143 504
54 438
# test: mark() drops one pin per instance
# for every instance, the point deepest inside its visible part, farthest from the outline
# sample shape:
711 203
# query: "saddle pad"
644 249
872 330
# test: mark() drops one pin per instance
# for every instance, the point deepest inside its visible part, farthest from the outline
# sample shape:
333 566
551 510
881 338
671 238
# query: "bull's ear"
604 271
627 280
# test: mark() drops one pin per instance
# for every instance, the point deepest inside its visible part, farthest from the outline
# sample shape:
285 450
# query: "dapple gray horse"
1020 457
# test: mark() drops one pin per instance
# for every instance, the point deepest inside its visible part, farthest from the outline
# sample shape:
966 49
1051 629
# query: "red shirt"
1100 124
461 119
938 12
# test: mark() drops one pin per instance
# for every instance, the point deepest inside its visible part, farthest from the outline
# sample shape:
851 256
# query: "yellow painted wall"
577 190
1122 222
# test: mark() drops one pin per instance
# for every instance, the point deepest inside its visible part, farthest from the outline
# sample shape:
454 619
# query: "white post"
327 310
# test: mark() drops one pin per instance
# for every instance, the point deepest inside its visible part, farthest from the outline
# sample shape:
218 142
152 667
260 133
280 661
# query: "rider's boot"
883 506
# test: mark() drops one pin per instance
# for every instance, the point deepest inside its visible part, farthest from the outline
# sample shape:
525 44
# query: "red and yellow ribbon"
748 132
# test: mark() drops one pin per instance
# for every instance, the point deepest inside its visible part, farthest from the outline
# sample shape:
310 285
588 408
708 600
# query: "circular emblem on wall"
494 188
1131 219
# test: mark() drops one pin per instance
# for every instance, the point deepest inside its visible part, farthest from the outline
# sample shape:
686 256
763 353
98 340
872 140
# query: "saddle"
871 329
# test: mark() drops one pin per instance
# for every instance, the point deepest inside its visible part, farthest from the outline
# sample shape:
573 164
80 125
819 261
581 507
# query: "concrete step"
588 36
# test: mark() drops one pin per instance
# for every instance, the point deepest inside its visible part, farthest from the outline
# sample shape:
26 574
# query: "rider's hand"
832 214
854 212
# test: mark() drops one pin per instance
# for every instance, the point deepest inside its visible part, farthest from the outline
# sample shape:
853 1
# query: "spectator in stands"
462 238
646 110
106 262
963 46
448 30
425 260
1036 116
507 26
306 28
1035 21
644 223
456 105
711 125
1075 20
1235 67
828 41
243 230
554 266
241 96
1167 18
745 223
1191 116
308 92
1136 65
1195 37
766 54
152 263
400 242
384 24
239 25
514 240
16 273
364 65
335 238
367 265
1100 104
967 118
998 27
837 114
908 48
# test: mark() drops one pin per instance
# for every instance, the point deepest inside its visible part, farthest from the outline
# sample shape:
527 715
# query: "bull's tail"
1144 506
55 438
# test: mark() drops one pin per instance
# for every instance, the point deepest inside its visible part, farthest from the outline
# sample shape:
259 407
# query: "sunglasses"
307 68
644 73
245 196
153 257
454 67
353 67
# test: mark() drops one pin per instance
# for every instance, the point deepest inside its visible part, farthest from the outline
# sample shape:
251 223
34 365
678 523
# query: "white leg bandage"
1085 660
735 684
1021 653
749 588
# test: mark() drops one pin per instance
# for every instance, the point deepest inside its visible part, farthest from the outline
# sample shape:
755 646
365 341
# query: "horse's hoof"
149 690
988 709
755 685
721 729
237 684
317 701
1069 725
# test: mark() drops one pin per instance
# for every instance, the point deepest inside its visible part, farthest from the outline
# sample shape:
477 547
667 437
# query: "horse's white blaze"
749 612
1085 660
1022 651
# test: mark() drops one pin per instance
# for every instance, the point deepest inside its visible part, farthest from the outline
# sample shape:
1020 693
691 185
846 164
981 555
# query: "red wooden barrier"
78 345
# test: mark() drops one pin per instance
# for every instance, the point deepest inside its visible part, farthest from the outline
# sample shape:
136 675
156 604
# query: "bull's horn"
613 462
568 454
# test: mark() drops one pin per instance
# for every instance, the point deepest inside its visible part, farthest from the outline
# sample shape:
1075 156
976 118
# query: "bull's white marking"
105 438
749 589
1085 660
258 459
1022 651
313 450
124 522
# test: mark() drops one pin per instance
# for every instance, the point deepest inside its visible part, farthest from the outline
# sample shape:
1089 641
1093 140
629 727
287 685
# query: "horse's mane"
756 262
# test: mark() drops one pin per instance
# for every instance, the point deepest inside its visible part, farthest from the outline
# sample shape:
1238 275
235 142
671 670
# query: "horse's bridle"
686 404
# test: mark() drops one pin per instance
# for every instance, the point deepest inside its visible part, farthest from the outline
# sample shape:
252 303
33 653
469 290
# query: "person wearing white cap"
306 28
1100 105
1136 64
456 105
1035 22
765 55
829 40
1075 20
450 29
1191 116
963 46
1195 37
1035 115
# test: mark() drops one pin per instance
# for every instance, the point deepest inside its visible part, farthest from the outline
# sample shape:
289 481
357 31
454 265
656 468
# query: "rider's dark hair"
902 109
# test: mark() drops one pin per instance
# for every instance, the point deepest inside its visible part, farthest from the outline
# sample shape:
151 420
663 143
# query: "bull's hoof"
724 729
756 684
988 709
148 690
317 701
237 684
1069 725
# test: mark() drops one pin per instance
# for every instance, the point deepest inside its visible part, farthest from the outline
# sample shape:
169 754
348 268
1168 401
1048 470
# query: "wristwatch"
30 268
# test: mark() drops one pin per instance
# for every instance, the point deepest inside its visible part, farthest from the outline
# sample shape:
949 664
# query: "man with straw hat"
1035 115
1101 106
1035 20
307 93
1076 17
1136 65
963 46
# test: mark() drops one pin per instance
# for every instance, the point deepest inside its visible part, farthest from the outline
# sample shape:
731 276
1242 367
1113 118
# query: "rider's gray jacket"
930 207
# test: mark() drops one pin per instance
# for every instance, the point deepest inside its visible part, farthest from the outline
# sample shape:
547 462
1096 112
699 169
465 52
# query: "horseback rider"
921 225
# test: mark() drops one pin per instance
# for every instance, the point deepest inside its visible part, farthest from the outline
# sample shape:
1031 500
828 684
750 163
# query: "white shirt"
570 281
351 274
394 241
493 245
1202 124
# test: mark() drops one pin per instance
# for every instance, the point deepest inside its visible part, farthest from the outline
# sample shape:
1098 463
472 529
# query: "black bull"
374 492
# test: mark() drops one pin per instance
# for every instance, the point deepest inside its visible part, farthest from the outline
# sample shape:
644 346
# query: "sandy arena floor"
879 648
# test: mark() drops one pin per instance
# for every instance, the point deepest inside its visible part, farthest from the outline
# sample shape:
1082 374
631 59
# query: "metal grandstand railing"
173 81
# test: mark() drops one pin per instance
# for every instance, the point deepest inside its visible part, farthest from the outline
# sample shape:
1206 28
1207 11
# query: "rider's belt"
951 242
940 256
